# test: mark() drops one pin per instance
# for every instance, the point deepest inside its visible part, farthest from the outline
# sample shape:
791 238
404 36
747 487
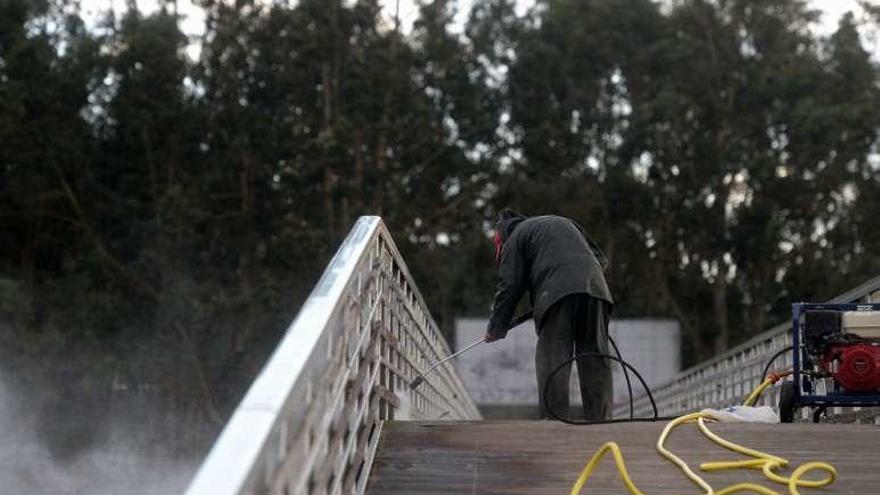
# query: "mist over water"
110 462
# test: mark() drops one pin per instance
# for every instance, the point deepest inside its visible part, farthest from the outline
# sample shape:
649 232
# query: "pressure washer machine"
836 358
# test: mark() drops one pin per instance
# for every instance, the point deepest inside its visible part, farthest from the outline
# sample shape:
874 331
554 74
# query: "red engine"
855 366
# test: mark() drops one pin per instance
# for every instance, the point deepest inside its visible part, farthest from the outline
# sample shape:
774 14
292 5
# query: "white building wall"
503 372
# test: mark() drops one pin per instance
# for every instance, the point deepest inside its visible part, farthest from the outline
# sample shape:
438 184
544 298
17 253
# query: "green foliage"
166 216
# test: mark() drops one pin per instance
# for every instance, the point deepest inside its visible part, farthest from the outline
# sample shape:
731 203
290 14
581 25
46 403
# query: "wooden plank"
543 457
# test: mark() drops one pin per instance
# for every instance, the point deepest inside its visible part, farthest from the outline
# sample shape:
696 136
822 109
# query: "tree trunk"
719 303
327 138
689 330
246 269
359 171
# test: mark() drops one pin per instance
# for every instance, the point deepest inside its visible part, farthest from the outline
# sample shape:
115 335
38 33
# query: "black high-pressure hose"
528 315
629 388
623 363
626 366
773 358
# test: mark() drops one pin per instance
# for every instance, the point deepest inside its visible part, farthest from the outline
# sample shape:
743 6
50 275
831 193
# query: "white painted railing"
310 422
727 379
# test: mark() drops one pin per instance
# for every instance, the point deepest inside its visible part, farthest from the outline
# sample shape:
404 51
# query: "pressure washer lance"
419 379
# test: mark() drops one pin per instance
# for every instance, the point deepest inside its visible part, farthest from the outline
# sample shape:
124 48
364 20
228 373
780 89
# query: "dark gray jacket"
551 257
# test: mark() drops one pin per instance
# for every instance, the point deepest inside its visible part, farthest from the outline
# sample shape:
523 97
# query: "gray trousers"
576 323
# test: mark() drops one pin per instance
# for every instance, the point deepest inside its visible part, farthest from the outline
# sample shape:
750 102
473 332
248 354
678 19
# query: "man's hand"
492 338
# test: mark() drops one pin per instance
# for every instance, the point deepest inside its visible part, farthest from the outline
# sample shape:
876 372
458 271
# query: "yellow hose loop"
766 462
795 476
621 469
760 460
795 481
735 447
696 479
750 463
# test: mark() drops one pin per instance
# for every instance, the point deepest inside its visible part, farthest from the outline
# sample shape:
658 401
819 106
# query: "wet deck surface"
542 457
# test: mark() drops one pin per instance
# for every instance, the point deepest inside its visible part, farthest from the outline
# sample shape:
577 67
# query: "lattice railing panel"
310 422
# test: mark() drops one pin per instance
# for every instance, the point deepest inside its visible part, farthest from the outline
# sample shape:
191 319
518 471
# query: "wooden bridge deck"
543 457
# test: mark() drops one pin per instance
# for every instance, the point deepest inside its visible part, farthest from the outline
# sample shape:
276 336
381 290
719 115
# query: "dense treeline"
163 217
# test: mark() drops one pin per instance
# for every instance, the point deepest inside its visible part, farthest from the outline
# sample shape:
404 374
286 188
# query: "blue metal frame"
836 397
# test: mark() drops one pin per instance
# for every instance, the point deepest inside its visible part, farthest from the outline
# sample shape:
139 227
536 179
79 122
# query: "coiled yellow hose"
767 463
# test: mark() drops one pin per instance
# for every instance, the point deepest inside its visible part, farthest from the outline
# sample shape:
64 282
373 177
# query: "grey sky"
193 23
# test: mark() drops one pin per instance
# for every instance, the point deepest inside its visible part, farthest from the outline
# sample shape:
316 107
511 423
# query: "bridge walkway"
545 457
319 419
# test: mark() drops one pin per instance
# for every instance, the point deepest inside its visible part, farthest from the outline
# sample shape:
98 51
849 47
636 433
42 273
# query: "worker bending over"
563 270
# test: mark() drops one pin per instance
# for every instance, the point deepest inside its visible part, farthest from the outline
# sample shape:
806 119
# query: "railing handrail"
310 421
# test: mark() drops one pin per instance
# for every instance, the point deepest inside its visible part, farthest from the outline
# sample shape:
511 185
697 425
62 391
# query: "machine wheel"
817 414
787 402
